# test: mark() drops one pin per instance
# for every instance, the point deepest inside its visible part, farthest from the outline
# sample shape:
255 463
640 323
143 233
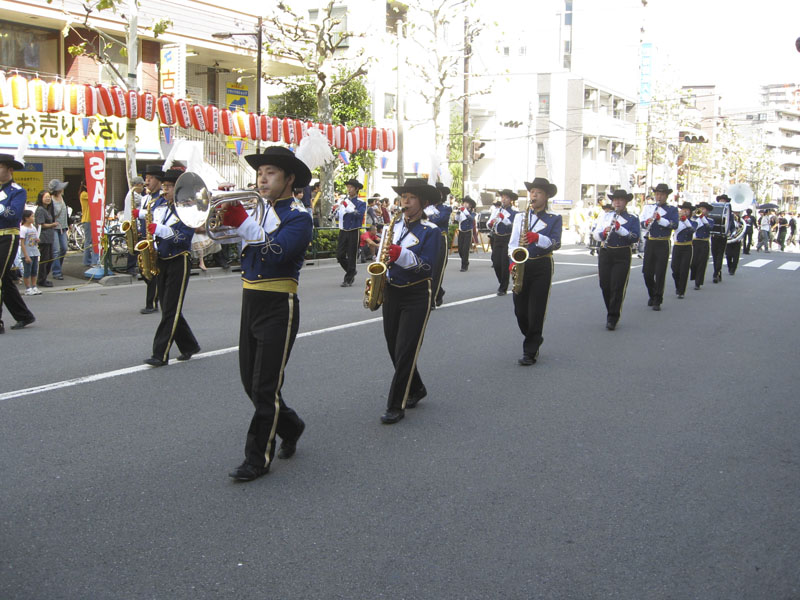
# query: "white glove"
622 231
2 209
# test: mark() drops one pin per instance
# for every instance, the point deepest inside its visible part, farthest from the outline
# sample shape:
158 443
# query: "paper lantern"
339 136
242 123
5 92
226 123
19 91
166 110
198 116
350 142
327 131
372 134
292 131
37 95
382 140
55 96
212 119
118 102
254 126
390 140
133 104
182 113
105 105
270 128
147 105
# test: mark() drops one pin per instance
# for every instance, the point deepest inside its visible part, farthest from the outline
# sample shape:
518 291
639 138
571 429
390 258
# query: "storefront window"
28 48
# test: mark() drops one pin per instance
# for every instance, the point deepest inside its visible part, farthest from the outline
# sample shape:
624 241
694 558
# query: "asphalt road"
660 460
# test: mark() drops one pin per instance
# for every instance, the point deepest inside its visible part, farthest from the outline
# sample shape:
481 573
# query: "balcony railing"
232 167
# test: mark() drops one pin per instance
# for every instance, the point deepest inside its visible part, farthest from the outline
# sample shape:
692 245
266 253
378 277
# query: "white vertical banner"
172 77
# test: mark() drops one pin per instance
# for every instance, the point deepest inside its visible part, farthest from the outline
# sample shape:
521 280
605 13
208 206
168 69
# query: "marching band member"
154 198
407 296
616 231
543 236
173 241
501 224
733 250
750 221
719 240
439 215
702 232
660 219
682 249
12 203
350 216
465 217
272 257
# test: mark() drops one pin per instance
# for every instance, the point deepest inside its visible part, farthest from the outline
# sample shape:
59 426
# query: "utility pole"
259 44
132 46
399 100
465 140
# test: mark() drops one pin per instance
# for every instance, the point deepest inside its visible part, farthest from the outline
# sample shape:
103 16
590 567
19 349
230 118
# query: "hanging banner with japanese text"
172 74
95 165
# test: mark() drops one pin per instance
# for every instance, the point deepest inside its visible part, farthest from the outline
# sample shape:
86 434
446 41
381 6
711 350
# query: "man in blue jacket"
659 220
349 215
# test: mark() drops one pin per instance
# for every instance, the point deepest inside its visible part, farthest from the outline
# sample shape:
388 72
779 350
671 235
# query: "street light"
224 35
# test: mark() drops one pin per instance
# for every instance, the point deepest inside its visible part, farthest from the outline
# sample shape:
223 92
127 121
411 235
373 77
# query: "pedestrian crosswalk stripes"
791 265
759 262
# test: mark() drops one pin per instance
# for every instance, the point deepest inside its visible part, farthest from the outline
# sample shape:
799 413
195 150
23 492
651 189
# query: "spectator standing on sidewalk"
89 256
29 244
45 219
61 219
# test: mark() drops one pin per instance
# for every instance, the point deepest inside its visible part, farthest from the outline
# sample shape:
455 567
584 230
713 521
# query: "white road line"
128 370
759 262
791 265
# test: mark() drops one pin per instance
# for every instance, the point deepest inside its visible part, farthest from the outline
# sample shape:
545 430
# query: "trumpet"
197 207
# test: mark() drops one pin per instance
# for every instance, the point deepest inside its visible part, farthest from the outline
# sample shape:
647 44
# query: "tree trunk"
132 45
325 114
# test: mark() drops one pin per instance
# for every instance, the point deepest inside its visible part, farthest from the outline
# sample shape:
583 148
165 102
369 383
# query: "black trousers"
45 262
530 305
347 253
699 261
654 268
464 244
173 278
151 294
732 253
613 270
267 331
748 240
438 271
405 316
718 243
681 265
500 260
9 293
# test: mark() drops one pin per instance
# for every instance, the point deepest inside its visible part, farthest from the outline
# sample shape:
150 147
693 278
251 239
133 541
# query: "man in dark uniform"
152 181
349 214
660 220
719 240
12 202
272 257
750 222
439 215
700 250
465 217
414 246
733 249
542 238
501 225
173 240
616 231
682 250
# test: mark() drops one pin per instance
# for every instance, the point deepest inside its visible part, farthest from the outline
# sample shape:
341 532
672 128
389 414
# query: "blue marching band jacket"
419 241
273 250
439 215
702 226
685 232
503 221
546 224
661 228
350 214
624 237
12 203
173 237
465 218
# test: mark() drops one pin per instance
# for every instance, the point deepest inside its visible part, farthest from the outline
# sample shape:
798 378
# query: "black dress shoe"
680 296
188 355
440 299
716 279
697 287
611 325
289 447
46 284
392 416
2 327
154 362
344 284
526 361
650 302
248 472
147 311
501 292
23 324
413 399
656 307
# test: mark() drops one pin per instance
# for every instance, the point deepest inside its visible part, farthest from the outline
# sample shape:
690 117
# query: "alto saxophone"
520 255
376 282
148 263
131 233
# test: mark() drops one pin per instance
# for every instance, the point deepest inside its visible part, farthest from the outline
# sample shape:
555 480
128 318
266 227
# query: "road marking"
139 368
759 262
792 265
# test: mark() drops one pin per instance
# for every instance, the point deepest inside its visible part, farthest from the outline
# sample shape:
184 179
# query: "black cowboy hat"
663 187
469 201
283 158
355 183
420 188
620 194
443 189
155 171
723 198
8 159
172 175
686 206
508 193
705 205
540 183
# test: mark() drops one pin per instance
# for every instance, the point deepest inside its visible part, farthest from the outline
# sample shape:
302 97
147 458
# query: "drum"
720 215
